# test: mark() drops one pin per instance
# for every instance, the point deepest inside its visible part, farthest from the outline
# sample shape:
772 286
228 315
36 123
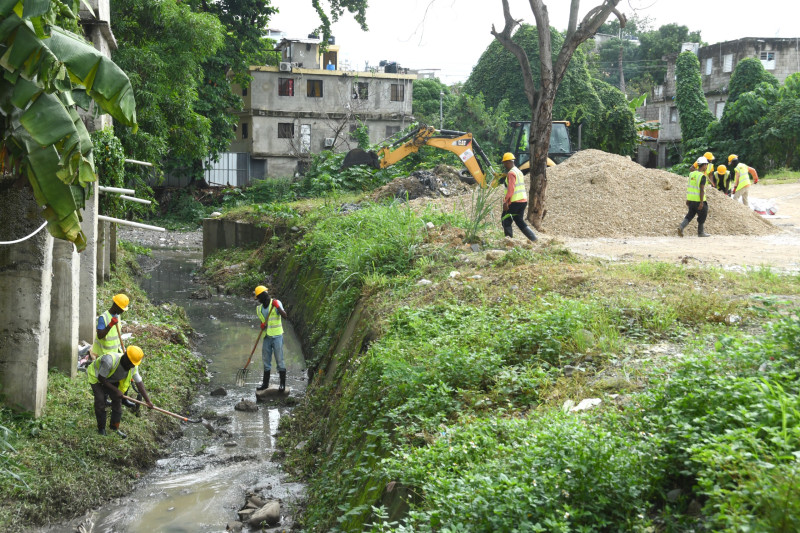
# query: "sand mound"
597 194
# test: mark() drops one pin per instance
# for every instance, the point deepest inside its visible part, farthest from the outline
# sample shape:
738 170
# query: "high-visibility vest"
273 320
709 172
519 186
95 366
723 180
110 344
744 176
693 189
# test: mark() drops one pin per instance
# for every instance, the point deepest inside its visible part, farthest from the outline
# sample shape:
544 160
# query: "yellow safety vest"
693 189
744 176
723 180
110 344
95 366
273 320
519 186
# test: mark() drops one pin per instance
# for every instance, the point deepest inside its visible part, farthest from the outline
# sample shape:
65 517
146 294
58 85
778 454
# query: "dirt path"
780 251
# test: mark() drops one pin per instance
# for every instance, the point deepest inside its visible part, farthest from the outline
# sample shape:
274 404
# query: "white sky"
450 35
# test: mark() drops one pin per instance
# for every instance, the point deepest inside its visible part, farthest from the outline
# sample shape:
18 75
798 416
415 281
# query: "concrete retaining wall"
220 234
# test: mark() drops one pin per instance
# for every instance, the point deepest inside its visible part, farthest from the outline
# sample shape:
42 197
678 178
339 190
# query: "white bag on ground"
763 206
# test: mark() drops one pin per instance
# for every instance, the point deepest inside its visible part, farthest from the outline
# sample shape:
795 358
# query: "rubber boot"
684 223
528 232
265 384
282 386
102 431
116 429
701 232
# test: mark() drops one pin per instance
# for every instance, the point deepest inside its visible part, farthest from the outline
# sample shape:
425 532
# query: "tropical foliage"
47 72
691 102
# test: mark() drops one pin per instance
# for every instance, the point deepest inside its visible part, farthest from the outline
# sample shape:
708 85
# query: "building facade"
780 57
305 105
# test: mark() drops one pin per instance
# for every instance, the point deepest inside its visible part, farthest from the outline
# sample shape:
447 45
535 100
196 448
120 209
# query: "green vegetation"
57 465
447 406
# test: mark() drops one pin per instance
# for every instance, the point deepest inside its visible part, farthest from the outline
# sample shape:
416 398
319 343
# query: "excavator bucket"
358 156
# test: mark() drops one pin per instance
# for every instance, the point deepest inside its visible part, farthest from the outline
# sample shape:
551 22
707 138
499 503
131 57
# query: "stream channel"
203 481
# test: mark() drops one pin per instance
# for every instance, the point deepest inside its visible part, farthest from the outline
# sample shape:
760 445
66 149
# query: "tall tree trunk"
621 72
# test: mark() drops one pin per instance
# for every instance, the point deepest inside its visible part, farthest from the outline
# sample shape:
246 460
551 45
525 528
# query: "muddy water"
201 484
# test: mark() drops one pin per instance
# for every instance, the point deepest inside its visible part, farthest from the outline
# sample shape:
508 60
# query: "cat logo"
462 142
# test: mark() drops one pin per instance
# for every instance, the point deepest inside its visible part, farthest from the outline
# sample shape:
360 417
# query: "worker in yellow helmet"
270 311
107 335
696 199
515 200
723 179
111 374
743 177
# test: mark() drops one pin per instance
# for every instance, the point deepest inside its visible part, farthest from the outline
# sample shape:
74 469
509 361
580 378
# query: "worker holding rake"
270 311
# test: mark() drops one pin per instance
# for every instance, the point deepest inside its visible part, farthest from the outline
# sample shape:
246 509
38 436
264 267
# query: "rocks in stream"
220 391
246 406
271 392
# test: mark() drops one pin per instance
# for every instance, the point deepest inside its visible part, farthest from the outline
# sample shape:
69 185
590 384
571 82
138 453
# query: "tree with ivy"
690 100
747 75
615 131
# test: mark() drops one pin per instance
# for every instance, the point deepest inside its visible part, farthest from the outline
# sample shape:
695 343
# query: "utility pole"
441 116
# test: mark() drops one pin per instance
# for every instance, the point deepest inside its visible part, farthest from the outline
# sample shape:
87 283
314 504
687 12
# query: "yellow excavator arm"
460 143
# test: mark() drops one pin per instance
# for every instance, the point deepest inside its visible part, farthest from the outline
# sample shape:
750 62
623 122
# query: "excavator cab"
560 144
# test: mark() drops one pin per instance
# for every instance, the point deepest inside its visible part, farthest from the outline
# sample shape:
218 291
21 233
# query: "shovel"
179 417
242 373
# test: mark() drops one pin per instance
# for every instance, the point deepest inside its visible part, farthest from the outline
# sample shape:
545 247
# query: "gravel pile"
597 194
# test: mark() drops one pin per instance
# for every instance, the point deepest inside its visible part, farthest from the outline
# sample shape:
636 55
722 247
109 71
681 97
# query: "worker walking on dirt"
270 312
742 178
723 179
515 200
696 199
107 339
111 374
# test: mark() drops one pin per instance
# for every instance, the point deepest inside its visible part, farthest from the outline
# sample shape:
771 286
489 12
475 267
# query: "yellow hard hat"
259 290
135 355
508 156
732 157
121 300
709 156
722 169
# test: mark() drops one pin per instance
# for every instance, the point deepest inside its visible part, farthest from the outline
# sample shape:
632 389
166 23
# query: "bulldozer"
478 167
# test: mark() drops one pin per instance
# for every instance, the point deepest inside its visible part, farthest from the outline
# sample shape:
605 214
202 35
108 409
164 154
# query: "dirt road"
780 251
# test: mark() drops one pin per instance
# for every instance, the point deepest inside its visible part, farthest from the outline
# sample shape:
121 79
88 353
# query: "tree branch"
504 37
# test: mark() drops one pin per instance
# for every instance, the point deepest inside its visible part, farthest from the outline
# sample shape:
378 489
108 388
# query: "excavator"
465 147
459 142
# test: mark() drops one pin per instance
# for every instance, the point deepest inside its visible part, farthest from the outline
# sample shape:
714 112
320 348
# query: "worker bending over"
270 312
741 178
696 199
515 200
723 179
112 374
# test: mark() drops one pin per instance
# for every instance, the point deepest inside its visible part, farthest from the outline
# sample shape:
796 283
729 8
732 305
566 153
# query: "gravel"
597 194
161 239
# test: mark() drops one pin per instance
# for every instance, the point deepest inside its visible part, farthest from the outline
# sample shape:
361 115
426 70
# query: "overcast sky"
450 35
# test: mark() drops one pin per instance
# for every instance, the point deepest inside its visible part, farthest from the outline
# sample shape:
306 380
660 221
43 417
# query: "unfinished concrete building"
307 104
780 57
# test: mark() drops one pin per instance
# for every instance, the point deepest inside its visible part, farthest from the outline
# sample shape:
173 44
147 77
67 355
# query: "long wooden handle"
179 417
119 336
254 350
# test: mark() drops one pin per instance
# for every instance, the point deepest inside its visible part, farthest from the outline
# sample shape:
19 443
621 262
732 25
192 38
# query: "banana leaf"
105 82
44 134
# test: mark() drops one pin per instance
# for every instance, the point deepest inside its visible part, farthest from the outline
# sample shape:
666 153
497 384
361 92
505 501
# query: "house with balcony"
780 56
308 103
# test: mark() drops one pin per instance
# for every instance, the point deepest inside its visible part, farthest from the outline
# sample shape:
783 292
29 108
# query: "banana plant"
45 73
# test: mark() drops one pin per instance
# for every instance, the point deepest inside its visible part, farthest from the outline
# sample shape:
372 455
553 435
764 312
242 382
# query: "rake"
164 411
242 373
